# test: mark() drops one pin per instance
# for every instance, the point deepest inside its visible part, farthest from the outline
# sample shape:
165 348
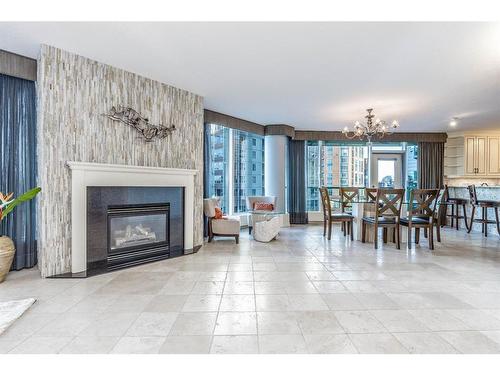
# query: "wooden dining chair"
421 214
348 195
440 212
387 213
329 218
371 194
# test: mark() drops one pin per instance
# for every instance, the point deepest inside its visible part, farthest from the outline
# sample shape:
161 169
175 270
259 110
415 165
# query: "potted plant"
7 249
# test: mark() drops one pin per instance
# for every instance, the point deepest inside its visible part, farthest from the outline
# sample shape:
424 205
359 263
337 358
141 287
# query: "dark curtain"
430 165
18 164
206 171
297 182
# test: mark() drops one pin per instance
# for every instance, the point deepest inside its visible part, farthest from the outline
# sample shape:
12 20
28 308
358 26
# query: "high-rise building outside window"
219 164
248 167
334 165
242 153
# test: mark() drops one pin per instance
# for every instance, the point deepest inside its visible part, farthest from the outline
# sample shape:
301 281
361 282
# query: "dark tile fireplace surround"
128 226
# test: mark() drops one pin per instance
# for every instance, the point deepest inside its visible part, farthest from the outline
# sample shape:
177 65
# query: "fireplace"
128 226
137 233
97 188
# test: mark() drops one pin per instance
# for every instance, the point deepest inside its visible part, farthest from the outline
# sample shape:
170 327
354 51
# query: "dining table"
363 207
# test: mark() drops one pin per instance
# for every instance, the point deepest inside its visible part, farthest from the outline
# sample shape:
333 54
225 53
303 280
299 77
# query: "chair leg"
384 234
237 238
456 219
344 228
210 233
485 218
363 231
417 235
425 233
398 237
482 219
350 230
375 236
438 232
394 235
452 221
329 230
471 218
465 216
324 227
431 237
498 222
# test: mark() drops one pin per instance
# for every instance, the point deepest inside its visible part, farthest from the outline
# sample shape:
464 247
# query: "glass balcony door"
386 170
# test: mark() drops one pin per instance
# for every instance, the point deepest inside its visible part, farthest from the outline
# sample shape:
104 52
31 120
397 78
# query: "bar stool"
455 205
484 205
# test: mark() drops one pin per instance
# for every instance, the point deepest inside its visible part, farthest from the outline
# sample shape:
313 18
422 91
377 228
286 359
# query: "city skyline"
246 164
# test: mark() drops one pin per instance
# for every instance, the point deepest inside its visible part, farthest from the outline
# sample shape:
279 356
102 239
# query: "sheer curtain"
18 164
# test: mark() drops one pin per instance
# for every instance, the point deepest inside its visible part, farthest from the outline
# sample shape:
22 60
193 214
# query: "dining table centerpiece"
7 248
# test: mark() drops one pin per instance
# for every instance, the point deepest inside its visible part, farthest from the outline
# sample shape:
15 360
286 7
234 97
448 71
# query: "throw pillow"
218 213
262 206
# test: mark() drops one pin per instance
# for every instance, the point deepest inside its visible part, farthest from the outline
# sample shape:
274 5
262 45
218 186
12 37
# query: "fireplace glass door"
137 227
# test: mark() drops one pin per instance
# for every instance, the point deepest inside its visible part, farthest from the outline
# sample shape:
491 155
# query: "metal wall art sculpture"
134 119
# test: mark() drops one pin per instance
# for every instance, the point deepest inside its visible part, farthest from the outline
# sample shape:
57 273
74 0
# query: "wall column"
275 147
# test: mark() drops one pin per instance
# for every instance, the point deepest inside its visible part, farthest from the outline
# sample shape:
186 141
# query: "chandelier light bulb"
395 124
453 122
356 124
377 121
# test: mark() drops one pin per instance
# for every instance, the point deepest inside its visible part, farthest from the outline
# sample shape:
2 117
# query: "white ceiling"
317 76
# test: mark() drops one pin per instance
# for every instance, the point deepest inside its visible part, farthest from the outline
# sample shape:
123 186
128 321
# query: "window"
411 168
248 167
334 164
219 165
312 175
236 165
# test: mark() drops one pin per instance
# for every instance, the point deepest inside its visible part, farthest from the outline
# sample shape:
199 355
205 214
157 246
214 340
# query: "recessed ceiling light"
453 122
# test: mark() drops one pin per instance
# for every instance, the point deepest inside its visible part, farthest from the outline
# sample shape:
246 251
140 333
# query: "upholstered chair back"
209 205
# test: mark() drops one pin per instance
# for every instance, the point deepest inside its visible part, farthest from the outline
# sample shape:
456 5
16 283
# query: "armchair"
228 226
256 217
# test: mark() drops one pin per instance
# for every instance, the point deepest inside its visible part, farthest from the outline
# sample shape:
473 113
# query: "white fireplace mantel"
96 174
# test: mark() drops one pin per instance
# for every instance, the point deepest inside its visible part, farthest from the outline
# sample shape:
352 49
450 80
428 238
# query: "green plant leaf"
22 198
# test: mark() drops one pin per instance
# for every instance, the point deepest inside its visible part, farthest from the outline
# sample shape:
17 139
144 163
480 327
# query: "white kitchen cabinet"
476 153
493 161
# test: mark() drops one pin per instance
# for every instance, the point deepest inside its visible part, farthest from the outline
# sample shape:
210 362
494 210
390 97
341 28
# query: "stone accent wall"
73 92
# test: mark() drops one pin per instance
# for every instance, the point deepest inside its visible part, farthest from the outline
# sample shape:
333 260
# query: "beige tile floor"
299 294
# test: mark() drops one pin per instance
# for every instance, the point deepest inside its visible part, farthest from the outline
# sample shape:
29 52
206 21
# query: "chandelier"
370 129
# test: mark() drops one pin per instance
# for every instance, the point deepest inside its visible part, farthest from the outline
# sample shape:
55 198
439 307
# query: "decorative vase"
7 251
